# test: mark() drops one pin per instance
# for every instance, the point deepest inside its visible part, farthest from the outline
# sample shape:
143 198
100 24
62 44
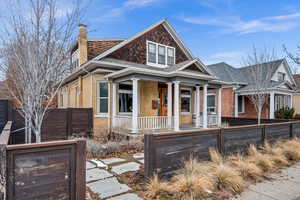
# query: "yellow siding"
148 93
296 103
187 118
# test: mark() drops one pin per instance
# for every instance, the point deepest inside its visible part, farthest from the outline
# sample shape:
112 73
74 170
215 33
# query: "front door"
163 101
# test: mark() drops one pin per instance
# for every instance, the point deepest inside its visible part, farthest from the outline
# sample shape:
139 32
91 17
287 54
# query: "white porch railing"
122 123
155 122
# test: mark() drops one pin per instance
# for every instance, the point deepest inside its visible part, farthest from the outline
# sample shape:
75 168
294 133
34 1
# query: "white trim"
156 54
101 115
186 96
212 94
122 91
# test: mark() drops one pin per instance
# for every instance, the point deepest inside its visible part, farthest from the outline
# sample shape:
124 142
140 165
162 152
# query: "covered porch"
143 103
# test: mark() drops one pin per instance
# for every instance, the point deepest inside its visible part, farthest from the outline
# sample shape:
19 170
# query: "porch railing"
155 122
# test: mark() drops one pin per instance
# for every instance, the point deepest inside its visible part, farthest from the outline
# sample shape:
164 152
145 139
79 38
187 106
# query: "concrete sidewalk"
283 186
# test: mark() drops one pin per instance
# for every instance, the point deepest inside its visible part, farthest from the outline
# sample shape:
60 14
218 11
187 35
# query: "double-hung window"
241 104
102 98
125 98
211 103
160 55
281 76
185 100
75 59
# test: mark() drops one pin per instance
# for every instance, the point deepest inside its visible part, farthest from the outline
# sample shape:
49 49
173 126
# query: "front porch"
142 104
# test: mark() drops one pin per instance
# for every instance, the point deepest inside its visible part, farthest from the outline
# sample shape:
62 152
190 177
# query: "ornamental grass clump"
263 161
291 149
246 169
156 188
277 155
215 156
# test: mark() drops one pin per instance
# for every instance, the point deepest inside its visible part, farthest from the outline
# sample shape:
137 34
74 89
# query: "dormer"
159 55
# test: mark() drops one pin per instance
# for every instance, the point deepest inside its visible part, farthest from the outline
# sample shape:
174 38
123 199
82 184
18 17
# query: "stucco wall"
296 103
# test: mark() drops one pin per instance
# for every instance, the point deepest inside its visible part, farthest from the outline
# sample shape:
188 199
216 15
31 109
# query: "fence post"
291 130
80 169
69 122
149 151
2 171
263 134
221 145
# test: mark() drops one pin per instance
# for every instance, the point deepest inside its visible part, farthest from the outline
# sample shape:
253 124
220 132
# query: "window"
241 104
102 98
171 56
75 59
282 101
185 100
151 53
281 76
160 55
125 98
211 103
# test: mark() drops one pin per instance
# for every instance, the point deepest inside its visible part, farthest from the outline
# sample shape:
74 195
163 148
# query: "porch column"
204 111
176 106
272 100
135 105
169 104
114 101
291 101
219 107
197 106
236 105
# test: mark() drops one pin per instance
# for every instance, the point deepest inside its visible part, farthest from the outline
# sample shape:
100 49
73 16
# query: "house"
148 82
236 102
296 99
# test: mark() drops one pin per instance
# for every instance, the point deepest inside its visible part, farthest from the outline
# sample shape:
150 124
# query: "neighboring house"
237 103
296 99
147 82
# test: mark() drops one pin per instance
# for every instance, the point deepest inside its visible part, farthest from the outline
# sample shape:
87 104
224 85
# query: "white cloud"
281 23
127 6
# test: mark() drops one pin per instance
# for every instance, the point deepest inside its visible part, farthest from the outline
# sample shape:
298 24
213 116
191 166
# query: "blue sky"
214 30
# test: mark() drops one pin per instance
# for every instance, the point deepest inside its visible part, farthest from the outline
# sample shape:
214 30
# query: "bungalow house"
236 102
296 98
148 82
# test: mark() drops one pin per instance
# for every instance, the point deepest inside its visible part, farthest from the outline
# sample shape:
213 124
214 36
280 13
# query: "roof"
226 72
98 46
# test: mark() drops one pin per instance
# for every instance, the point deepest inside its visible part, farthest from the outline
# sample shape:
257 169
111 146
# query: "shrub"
263 161
277 155
285 113
291 149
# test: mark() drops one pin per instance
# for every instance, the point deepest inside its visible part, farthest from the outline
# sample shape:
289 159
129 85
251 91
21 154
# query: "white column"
219 107
236 105
135 105
272 100
176 106
204 112
291 101
114 101
197 106
169 104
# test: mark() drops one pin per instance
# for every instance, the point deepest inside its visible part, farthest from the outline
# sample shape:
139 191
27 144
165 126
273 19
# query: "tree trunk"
259 116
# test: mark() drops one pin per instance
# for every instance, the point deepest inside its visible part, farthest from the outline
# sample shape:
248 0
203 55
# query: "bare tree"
35 57
261 67
295 58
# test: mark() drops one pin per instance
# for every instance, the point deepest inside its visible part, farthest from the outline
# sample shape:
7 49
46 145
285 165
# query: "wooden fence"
165 152
5 112
48 170
240 121
59 124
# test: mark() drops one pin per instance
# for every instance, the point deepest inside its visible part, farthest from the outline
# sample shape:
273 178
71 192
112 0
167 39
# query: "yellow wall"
148 93
296 103
187 118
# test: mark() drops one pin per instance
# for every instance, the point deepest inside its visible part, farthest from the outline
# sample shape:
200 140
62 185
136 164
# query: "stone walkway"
101 176
283 186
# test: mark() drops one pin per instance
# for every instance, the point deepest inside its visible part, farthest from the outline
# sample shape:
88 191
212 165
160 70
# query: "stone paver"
89 165
97 174
99 164
126 167
142 161
138 155
128 196
110 161
285 186
108 187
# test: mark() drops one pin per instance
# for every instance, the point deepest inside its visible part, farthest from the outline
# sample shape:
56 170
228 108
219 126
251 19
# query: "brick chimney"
82 44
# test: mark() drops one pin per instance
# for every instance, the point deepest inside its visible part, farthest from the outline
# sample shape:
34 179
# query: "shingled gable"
134 49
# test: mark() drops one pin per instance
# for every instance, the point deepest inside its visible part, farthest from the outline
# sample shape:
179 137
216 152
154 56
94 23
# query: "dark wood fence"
59 124
166 152
48 170
5 112
239 121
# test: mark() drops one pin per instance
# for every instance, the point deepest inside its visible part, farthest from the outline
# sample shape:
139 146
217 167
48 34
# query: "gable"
136 50
194 68
282 69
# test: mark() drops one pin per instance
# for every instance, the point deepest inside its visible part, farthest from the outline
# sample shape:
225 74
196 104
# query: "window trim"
156 54
188 96
98 113
283 75
211 94
124 92
75 61
243 104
